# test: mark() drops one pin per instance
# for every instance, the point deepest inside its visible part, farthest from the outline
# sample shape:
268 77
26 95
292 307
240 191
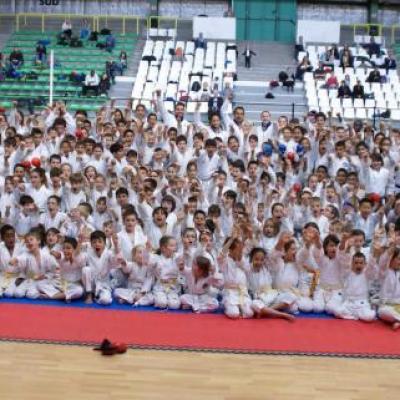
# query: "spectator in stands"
214 104
331 81
287 79
66 29
303 67
298 47
41 54
104 84
204 94
320 72
334 52
344 90
328 58
123 60
374 76
248 54
390 62
358 90
85 30
227 91
91 83
346 60
16 58
110 43
347 80
200 42
373 47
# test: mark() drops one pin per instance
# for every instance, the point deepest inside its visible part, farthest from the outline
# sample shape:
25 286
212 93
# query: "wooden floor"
42 372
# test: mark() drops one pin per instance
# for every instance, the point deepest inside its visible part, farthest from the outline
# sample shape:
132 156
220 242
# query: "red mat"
197 332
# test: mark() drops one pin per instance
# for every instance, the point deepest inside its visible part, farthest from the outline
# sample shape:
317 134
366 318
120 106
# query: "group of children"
146 208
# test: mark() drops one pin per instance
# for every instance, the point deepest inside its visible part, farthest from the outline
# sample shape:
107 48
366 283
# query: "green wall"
270 20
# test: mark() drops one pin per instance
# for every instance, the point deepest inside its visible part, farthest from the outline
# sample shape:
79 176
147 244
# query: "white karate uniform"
236 298
356 303
128 241
389 310
140 282
40 196
206 166
31 270
8 274
96 275
198 294
260 288
167 288
52 222
288 281
72 200
329 293
71 277
23 223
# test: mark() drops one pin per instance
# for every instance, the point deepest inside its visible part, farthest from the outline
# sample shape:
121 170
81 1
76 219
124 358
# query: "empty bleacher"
162 67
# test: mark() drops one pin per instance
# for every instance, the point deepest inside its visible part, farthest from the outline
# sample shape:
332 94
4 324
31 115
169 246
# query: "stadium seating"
162 68
67 60
380 97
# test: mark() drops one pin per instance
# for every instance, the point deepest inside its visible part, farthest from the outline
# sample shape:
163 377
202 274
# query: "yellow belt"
32 276
264 290
169 283
314 282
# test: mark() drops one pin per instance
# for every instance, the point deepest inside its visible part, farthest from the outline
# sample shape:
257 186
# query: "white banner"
215 28
318 31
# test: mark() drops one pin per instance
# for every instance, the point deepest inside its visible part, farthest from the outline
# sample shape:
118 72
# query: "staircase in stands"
253 83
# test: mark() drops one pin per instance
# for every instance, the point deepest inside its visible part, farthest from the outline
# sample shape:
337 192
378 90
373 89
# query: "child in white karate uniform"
71 264
96 274
236 298
9 248
331 262
260 287
389 310
356 303
288 268
167 289
33 265
140 278
201 276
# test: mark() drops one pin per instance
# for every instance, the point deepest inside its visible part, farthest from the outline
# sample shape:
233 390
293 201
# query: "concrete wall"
347 14
178 8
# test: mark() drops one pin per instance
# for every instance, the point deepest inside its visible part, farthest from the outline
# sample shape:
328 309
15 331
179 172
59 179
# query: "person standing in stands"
248 54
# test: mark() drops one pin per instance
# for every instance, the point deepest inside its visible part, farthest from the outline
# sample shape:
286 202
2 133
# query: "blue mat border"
124 307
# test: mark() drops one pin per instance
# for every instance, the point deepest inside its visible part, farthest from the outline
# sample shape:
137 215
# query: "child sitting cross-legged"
200 278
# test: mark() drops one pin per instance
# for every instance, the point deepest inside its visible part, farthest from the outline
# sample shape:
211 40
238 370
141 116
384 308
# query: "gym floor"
43 372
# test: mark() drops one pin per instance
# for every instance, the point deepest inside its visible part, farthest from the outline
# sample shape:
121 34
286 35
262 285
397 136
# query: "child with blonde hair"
201 276
236 299
141 278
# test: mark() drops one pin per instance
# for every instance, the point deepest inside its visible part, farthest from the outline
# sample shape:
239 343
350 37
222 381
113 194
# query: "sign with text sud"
49 2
